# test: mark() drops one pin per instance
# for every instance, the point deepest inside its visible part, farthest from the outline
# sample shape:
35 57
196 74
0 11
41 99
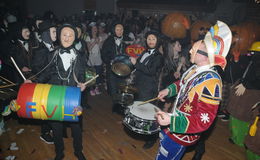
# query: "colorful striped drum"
48 102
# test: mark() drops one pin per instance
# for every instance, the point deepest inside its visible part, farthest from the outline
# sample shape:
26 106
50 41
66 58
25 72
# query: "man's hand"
162 94
133 60
163 118
81 86
27 81
177 74
26 69
240 89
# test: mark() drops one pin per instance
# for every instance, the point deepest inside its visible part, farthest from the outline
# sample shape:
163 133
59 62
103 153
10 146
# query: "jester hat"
218 41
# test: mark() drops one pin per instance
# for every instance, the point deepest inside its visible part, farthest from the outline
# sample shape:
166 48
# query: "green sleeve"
172 90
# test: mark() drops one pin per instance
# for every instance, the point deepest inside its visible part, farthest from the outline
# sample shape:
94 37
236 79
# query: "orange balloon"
243 37
174 25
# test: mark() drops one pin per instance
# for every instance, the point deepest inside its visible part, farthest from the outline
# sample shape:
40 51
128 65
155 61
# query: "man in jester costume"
198 95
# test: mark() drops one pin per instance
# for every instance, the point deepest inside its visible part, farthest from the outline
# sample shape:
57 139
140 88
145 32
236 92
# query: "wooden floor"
104 138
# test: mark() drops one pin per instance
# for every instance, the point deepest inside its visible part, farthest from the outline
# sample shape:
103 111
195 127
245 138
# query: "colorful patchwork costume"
197 103
198 97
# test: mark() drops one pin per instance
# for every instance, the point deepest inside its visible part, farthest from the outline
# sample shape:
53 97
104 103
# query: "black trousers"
57 128
200 145
113 82
45 127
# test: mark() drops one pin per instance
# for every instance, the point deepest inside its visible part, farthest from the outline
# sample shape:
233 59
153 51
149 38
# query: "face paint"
53 34
26 33
193 50
151 41
67 37
119 30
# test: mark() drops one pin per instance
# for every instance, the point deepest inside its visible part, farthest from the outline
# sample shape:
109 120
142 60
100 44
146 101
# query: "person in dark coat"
4 40
67 67
21 51
148 67
47 30
113 46
40 56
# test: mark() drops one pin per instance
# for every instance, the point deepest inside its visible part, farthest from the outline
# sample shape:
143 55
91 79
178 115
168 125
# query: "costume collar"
49 46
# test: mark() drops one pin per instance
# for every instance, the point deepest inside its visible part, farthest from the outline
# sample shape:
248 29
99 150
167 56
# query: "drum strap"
55 54
247 68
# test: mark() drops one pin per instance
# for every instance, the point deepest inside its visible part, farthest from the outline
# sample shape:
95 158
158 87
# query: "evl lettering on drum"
31 107
48 102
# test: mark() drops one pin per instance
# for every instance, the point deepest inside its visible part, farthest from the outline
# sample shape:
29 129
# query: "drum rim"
137 129
141 131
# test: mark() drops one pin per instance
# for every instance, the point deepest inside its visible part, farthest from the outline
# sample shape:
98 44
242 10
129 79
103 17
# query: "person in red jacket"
198 95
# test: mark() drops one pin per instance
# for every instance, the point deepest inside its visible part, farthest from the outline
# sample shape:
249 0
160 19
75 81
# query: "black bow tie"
150 51
118 38
64 51
25 42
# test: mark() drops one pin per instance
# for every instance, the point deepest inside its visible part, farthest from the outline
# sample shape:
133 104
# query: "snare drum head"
144 111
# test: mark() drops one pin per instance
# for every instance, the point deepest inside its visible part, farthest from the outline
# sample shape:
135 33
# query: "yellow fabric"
211 86
44 100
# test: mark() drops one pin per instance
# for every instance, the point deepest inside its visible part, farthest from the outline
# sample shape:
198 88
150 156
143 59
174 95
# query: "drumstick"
150 100
7 80
8 85
91 80
18 68
254 106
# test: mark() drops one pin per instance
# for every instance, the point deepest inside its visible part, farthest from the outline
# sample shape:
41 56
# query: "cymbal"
128 89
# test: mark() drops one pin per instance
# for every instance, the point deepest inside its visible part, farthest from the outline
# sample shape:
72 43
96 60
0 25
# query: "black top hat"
45 25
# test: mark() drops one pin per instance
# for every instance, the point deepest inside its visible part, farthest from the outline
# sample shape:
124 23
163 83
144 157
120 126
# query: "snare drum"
140 119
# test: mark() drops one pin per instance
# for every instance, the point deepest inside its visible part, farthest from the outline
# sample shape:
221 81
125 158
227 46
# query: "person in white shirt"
94 42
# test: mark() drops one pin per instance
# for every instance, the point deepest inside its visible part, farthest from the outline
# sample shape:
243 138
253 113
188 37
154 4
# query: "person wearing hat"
148 67
252 93
252 77
113 46
198 95
21 50
47 30
244 95
66 67
45 49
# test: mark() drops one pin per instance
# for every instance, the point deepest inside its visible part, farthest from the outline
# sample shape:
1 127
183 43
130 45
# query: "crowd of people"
58 52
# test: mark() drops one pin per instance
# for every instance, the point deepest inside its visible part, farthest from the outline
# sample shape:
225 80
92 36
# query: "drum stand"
124 100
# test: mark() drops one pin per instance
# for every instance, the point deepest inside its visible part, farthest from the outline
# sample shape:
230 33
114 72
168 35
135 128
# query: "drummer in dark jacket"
67 67
47 31
148 67
21 51
113 46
